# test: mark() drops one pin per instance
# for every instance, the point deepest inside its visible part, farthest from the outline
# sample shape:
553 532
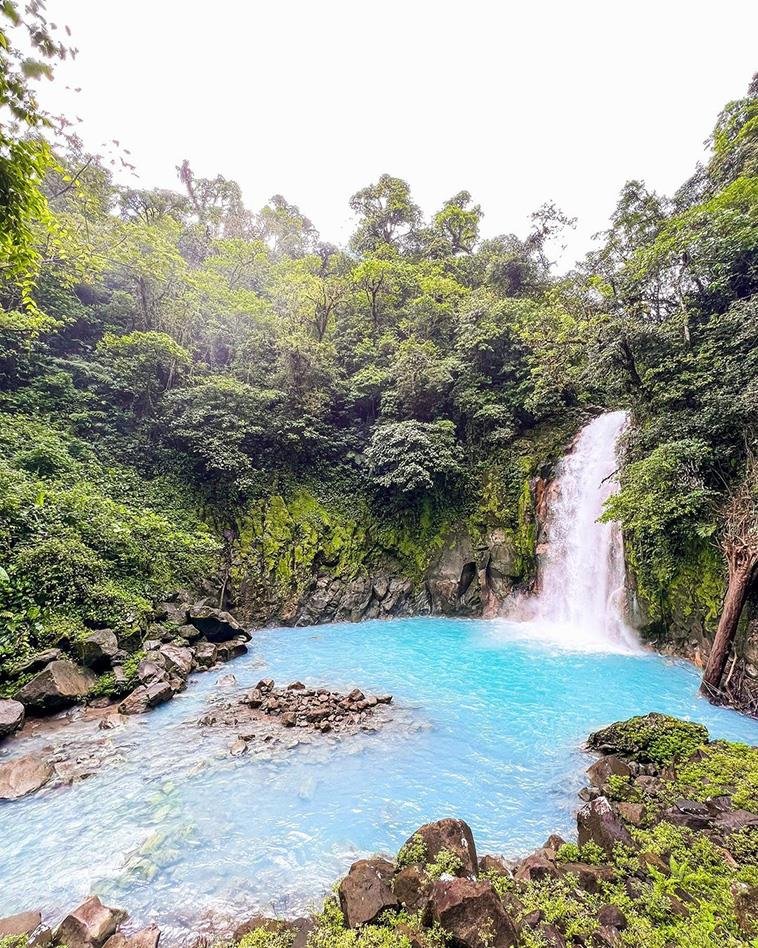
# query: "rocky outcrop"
600 824
215 624
22 775
59 685
472 914
97 650
11 717
450 836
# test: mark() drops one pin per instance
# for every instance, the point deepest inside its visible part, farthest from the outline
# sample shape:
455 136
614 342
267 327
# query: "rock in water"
11 717
16 926
58 686
366 891
23 775
145 697
91 924
472 913
144 938
454 836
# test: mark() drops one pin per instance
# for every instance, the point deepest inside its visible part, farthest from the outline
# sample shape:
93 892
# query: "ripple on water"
489 728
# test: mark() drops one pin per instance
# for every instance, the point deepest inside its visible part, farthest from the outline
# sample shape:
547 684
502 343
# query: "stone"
412 888
59 685
688 813
146 697
598 823
226 651
97 649
38 661
536 866
215 624
606 937
611 916
366 891
15 926
551 936
22 775
494 864
12 715
554 842
178 660
205 655
265 685
150 670
590 878
633 813
606 767
144 938
472 914
455 836
91 924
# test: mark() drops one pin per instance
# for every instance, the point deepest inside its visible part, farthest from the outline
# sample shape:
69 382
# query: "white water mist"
581 599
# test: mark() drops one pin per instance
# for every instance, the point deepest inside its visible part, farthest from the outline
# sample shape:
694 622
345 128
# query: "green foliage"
654 738
413 457
444 863
721 768
264 938
589 853
330 932
412 853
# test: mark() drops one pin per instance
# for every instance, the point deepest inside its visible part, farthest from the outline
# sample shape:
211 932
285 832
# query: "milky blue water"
487 727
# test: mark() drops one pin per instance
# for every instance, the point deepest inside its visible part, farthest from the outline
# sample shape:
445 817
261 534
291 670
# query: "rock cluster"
90 925
295 706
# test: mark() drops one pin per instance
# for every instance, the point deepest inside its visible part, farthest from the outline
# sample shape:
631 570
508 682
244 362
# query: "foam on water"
490 729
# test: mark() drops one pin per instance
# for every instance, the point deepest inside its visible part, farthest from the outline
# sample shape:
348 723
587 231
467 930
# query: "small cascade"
581 598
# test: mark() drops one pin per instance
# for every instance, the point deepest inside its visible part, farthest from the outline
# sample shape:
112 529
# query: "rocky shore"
666 857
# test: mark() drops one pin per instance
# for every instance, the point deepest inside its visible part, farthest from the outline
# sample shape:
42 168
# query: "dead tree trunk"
740 545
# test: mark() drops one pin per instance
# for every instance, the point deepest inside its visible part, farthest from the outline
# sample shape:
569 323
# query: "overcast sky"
517 102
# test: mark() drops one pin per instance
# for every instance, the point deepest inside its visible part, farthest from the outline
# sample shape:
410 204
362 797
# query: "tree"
387 214
739 543
458 223
408 458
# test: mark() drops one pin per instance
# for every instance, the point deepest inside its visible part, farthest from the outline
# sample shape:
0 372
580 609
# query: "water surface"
489 728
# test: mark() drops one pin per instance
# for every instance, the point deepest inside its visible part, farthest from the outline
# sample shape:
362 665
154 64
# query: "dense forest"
195 392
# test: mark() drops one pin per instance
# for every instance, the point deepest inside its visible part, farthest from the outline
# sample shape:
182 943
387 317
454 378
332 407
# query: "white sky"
516 102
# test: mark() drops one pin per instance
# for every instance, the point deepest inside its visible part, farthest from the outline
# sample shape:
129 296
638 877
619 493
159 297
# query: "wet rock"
452 835
300 928
598 823
12 715
412 888
205 655
177 660
238 747
226 651
606 937
215 624
366 891
146 697
22 775
111 721
472 914
554 842
59 685
91 924
98 649
145 938
606 767
732 821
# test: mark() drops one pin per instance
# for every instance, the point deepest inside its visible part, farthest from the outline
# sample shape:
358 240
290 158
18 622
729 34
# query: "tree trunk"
736 593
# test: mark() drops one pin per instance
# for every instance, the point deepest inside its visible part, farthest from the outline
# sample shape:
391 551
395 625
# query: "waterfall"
581 596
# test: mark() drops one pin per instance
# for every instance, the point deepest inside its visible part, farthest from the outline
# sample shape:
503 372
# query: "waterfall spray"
581 597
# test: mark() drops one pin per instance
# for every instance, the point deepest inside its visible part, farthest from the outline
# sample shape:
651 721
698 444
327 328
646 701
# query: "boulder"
215 624
299 928
633 813
689 813
59 685
146 697
16 926
606 767
644 739
12 715
746 907
538 865
455 836
98 649
495 864
226 651
205 655
177 660
91 924
611 916
366 891
144 938
412 888
23 775
150 670
472 914
38 661
598 823
590 878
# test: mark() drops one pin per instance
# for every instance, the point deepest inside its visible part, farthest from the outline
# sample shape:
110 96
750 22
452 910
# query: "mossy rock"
652 739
